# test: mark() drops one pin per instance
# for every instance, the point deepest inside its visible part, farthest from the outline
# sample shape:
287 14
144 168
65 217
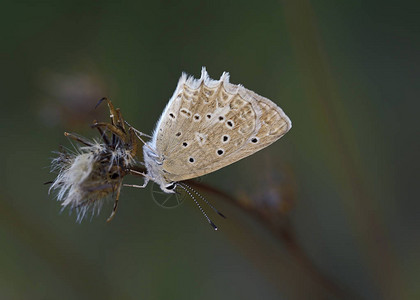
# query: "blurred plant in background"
68 98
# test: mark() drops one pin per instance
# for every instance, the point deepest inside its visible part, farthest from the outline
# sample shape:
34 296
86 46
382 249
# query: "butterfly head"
169 188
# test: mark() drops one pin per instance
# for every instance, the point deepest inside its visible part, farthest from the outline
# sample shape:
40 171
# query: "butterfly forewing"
210 124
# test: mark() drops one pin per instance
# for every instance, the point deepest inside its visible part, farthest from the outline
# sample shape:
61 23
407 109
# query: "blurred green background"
345 72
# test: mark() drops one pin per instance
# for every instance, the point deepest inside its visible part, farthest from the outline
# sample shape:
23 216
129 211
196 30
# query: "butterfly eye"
229 124
178 133
191 160
225 138
208 116
197 117
172 115
220 152
171 186
184 144
221 118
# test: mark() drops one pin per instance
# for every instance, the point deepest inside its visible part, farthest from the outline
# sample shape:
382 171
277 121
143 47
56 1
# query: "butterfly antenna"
204 199
199 206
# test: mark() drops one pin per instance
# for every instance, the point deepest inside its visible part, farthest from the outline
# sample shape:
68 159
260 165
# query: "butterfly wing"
209 124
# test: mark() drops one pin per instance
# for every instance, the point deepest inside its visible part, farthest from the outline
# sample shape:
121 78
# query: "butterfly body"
207 125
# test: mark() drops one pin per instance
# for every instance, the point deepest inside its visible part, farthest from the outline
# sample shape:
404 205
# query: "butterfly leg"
138 186
139 134
145 176
146 181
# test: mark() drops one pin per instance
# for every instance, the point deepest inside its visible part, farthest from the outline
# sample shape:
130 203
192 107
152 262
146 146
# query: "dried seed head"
94 173
90 176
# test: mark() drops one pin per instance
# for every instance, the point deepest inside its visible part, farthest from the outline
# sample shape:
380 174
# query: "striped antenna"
202 198
199 206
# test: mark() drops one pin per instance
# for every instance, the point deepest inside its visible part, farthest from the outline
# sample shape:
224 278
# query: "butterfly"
207 125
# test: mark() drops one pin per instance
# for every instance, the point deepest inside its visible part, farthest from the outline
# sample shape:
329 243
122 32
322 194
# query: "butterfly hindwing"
210 124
